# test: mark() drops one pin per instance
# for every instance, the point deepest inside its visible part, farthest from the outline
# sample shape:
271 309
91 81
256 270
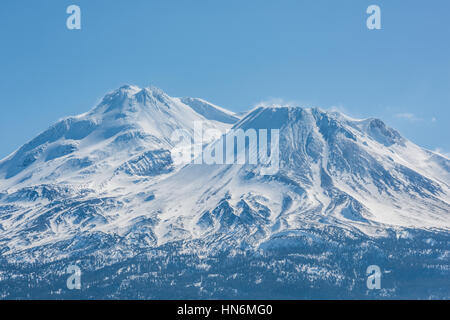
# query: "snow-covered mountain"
102 189
358 174
121 134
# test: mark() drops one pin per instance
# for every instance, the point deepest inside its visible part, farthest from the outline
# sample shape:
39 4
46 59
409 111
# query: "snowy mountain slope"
104 186
358 174
210 111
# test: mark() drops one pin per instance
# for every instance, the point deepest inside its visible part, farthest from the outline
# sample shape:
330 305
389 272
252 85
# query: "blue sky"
232 53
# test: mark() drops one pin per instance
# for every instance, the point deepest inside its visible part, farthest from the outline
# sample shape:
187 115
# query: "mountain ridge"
106 181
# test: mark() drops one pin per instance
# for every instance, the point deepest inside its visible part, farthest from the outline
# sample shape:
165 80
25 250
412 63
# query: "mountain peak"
329 123
151 94
128 97
128 121
129 87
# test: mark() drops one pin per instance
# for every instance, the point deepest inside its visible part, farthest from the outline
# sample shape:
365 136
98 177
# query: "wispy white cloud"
442 152
277 102
408 116
339 108
271 102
